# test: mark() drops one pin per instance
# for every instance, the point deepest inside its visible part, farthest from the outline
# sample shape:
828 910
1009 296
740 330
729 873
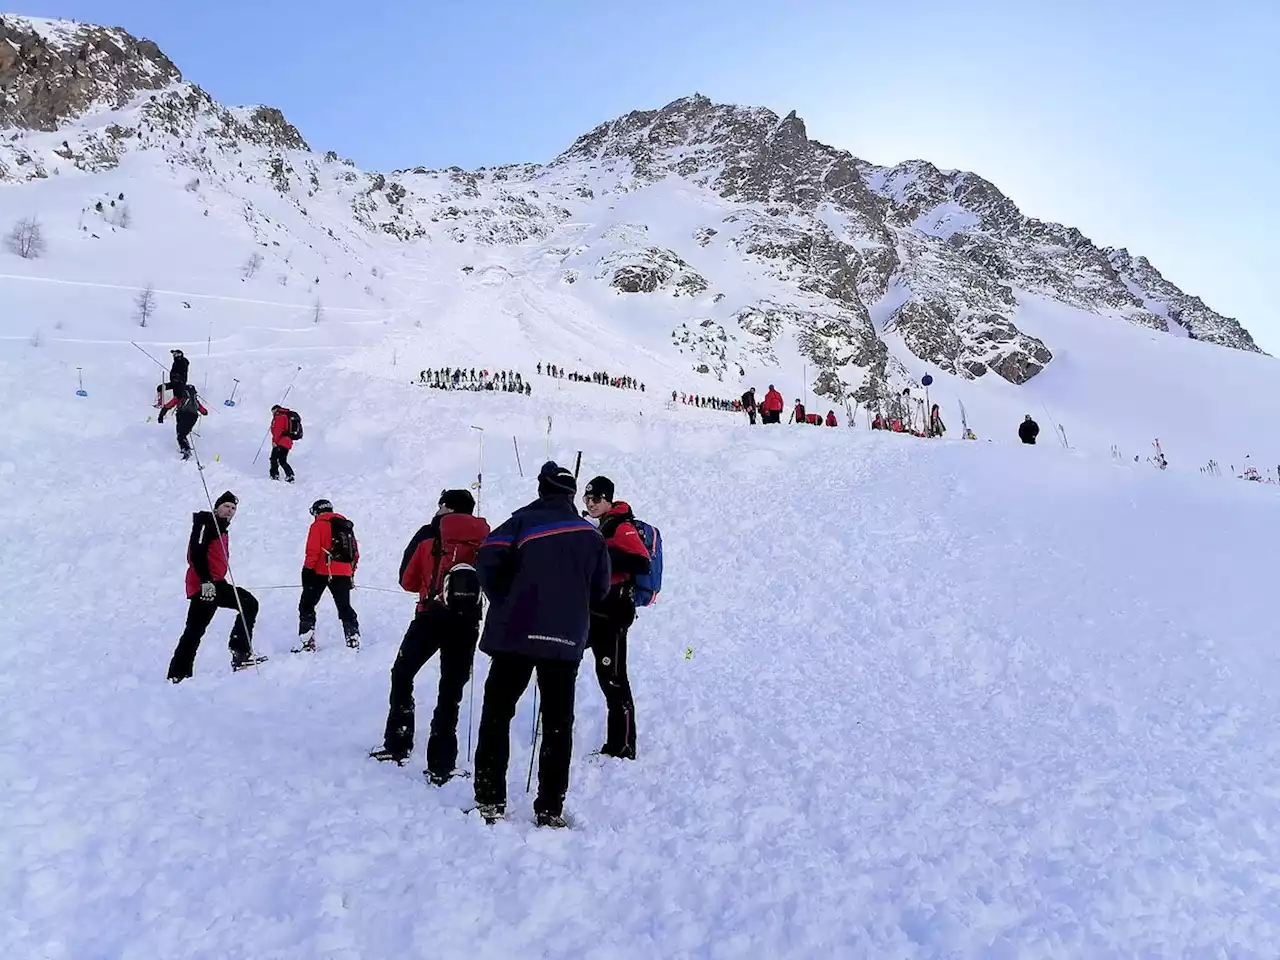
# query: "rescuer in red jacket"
281 443
332 555
798 413
771 409
831 418
208 562
437 566
612 617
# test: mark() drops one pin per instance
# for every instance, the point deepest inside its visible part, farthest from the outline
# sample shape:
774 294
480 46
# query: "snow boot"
243 661
492 812
437 779
382 755
306 642
554 820
353 641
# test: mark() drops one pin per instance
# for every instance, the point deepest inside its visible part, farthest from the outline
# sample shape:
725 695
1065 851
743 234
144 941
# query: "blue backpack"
648 585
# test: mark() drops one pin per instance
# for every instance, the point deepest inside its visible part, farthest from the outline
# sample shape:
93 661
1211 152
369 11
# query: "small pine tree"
145 304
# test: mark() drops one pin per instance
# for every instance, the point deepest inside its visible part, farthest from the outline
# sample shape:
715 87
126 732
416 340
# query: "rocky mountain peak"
56 70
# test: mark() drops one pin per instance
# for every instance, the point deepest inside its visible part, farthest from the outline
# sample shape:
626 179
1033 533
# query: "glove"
208 592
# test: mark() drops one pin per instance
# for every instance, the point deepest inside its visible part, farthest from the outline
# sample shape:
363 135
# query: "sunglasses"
591 498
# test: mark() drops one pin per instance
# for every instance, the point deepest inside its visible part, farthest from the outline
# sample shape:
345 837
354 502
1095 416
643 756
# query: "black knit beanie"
555 480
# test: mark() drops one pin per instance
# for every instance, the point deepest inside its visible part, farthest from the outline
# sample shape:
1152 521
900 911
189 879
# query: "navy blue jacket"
542 570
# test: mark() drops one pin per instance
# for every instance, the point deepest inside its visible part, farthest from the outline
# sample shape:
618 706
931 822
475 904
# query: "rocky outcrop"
649 270
55 70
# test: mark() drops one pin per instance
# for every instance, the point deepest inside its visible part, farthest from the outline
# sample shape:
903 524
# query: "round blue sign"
926 380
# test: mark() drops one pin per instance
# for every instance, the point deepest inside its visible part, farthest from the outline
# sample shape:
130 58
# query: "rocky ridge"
851 260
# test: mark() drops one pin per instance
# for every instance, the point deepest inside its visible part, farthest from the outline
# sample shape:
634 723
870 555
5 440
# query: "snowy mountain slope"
800 244
898 698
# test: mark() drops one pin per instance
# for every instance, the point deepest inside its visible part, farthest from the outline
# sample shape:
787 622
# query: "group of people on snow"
557 583
600 378
449 378
706 403
770 408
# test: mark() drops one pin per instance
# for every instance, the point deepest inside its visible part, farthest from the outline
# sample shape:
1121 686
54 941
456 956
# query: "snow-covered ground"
899 698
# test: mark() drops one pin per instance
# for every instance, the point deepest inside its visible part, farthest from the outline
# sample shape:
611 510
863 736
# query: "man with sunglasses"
612 617
208 562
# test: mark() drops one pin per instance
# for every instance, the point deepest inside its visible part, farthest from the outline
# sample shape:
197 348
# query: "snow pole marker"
231 400
548 438
471 683
82 392
151 358
518 464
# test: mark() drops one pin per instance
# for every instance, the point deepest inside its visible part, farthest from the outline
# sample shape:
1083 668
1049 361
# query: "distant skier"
329 563
189 410
281 443
936 427
1028 430
612 617
437 566
749 404
177 376
208 560
542 570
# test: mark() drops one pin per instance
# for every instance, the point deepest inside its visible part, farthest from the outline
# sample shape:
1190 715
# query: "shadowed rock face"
52 71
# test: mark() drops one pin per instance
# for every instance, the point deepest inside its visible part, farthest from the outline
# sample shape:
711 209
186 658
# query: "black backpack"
459 589
342 549
295 425
190 403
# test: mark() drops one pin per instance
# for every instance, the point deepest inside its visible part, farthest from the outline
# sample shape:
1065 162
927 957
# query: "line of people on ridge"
600 378
450 378
556 584
188 408
706 403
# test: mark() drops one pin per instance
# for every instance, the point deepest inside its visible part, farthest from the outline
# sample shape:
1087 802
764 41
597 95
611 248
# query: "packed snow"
899 698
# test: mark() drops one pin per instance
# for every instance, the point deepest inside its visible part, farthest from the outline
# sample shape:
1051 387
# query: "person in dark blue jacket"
542 570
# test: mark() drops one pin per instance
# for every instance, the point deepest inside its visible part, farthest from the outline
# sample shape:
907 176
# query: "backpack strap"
437 551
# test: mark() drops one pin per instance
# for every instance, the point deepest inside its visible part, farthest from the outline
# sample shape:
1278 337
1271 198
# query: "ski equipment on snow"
82 392
231 400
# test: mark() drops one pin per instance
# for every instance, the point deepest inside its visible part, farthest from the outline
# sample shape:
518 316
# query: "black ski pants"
751 415
313 588
185 423
280 461
608 642
432 630
509 675
200 614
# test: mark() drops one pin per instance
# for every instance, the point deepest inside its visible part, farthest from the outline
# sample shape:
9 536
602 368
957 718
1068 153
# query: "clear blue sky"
1151 125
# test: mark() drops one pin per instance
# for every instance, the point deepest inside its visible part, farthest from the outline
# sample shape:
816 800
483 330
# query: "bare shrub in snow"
251 265
283 279
144 305
317 311
26 239
193 185
37 338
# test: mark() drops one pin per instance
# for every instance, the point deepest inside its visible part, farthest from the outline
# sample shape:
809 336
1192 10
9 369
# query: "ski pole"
152 359
479 484
82 392
518 465
244 621
231 400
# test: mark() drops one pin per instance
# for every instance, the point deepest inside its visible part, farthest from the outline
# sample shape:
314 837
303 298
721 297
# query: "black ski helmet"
321 506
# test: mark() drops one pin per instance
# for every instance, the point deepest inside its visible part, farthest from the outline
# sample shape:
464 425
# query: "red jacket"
831 419
280 430
798 413
459 536
813 418
628 555
207 552
773 402
320 542
175 401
